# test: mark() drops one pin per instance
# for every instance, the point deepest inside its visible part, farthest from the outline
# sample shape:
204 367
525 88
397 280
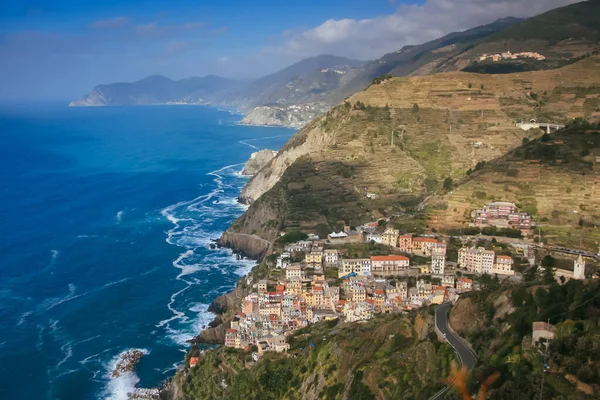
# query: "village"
363 271
511 56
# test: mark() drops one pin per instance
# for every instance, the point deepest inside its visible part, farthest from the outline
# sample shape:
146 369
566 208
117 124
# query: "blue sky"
60 49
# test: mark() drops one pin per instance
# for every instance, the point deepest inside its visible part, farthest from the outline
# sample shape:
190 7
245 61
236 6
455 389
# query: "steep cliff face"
257 161
309 140
249 245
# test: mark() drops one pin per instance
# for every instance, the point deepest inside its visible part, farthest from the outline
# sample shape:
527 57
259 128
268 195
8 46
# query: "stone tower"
579 269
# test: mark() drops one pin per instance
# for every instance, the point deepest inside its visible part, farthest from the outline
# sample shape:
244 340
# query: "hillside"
390 356
555 178
442 125
420 59
158 89
307 81
498 323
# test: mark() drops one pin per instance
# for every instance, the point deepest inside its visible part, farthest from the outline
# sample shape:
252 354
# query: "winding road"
464 353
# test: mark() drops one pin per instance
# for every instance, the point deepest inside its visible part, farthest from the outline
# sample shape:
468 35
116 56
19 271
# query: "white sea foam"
120 216
119 388
194 227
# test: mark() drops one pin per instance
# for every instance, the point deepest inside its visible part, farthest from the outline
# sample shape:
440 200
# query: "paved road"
465 355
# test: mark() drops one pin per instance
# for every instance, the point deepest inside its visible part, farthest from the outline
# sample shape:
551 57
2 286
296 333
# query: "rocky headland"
294 115
257 161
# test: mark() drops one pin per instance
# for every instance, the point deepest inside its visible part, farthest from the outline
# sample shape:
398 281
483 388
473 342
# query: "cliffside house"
193 362
543 333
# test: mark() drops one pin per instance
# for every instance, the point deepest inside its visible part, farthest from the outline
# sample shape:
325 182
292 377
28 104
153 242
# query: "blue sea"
106 216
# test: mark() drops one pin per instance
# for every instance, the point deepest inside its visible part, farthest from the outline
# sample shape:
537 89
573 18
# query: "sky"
61 49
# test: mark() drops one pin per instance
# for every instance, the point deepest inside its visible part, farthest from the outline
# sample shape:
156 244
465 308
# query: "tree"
531 274
415 108
448 184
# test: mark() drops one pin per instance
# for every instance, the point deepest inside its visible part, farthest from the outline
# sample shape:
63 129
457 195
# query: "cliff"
257 161
249 245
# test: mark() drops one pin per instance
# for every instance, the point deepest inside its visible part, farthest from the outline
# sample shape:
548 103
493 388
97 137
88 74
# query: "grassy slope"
455 111
386 358
556 180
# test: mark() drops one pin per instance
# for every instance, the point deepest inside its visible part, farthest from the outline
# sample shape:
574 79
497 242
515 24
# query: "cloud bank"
410 24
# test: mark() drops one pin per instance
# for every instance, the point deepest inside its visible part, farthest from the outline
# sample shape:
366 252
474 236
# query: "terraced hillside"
556 178
441 126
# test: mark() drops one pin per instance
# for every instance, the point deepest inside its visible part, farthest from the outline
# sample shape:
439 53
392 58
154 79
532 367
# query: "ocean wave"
120 216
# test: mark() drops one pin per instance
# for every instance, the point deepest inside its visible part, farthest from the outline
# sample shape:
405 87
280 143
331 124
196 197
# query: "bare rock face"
464 316
257 161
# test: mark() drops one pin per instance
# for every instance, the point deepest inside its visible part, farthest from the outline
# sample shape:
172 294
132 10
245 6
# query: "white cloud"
410 24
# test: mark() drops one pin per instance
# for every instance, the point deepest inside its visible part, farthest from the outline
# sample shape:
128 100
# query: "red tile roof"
193 361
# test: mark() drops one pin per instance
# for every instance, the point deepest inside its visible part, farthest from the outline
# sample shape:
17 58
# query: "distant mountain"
309 80
158 89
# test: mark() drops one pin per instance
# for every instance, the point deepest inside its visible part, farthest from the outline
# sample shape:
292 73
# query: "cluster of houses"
511 56
365 287
502 214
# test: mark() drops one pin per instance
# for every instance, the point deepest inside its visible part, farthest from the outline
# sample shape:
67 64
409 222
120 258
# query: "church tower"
579 269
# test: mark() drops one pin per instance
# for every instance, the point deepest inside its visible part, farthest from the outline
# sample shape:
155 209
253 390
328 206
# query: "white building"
375 237
359 266
438 262
389 265
283 260
477 260
331 257
294 272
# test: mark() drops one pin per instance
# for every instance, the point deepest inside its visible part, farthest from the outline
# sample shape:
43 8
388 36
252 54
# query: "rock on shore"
257 161
127 362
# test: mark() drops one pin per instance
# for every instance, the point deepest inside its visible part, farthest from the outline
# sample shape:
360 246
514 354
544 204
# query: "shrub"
292 237
415 108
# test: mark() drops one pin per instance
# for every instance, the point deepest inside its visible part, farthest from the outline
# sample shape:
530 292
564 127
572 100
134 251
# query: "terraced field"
403 137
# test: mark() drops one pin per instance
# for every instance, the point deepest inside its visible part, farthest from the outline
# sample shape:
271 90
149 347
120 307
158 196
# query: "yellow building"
390 237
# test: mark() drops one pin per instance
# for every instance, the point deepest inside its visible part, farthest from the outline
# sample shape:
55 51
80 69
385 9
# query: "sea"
106 220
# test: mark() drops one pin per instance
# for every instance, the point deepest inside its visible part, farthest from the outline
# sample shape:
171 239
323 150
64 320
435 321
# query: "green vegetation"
386 357
292 237
503 340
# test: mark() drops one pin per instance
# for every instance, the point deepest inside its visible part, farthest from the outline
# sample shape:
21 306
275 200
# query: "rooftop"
389 258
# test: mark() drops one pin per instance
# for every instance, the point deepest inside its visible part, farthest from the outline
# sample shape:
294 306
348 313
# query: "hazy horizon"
60 50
